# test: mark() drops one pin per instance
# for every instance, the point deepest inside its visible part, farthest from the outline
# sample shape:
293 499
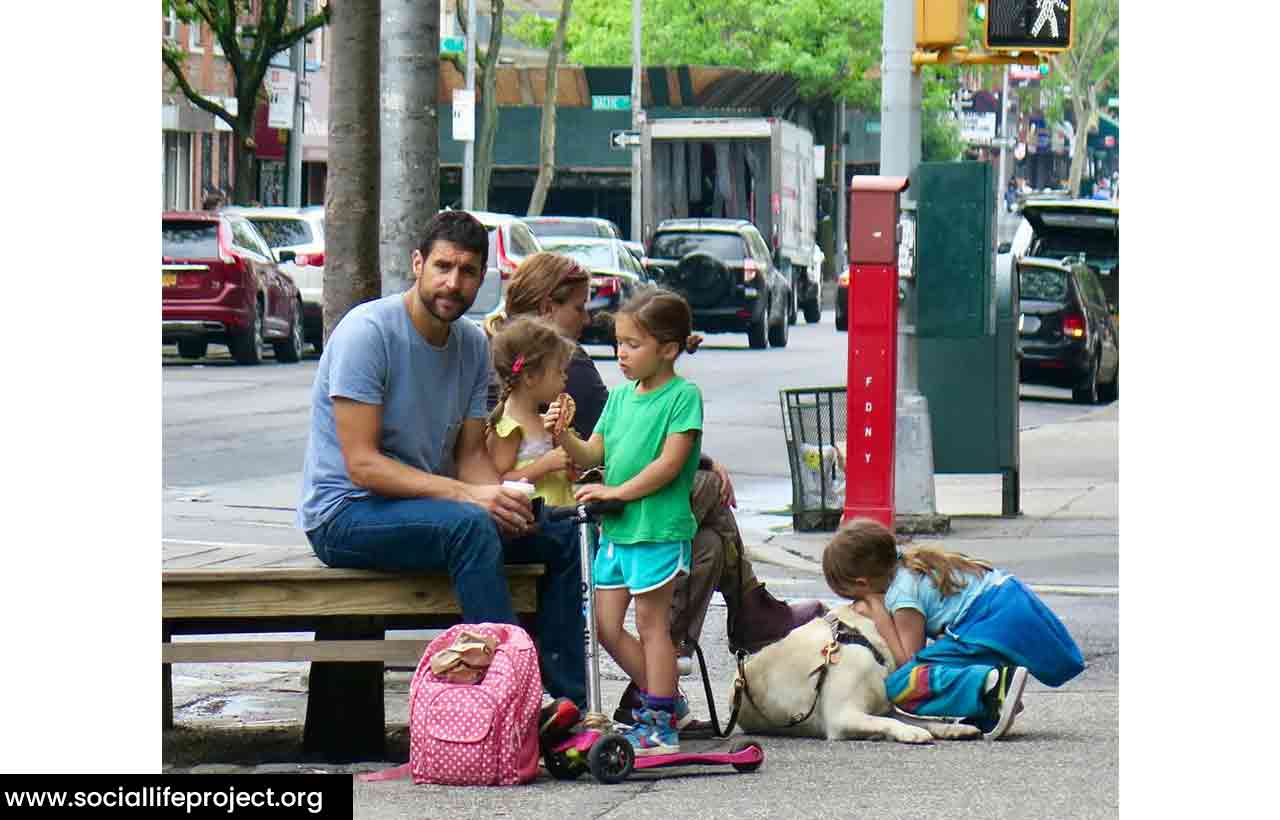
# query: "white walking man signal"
1047 15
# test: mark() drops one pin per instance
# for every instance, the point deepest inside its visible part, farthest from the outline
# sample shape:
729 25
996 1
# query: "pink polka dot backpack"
481 733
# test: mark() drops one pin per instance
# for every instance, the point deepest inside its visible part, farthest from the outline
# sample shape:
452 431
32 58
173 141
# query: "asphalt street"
233 444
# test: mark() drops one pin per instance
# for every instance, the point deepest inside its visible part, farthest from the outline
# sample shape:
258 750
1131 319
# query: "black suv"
1067 336
724 269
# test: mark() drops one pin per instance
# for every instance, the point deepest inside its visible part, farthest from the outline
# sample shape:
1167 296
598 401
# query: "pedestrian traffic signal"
1029 25
940 23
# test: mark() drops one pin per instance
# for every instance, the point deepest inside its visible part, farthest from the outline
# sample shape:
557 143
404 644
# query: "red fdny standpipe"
873 347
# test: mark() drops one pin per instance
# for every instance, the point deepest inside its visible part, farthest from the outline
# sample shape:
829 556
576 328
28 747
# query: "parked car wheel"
813 312
192 348
779 332
1111 391
758 331
246 346
1087 393
793 307
290 350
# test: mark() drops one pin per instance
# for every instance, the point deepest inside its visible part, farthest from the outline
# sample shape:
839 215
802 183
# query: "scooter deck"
583 741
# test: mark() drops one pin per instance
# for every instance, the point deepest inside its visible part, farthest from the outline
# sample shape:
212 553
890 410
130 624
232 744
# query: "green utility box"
967 315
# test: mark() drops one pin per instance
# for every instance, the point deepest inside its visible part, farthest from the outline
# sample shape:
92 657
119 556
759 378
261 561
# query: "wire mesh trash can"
814 421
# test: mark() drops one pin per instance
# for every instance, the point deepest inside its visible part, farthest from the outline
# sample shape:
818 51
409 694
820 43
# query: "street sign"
977 127
464 115
622 140
280 88
610 102
453 45
1029 25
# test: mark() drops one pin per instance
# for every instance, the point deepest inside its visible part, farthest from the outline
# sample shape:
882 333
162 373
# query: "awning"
1107 127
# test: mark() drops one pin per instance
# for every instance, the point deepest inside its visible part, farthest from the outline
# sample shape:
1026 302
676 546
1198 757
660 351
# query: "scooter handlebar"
592 510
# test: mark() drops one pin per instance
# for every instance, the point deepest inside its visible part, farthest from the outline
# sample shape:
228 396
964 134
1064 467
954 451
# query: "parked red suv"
220 282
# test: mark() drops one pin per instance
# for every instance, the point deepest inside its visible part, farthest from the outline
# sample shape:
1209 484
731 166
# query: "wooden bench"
217 590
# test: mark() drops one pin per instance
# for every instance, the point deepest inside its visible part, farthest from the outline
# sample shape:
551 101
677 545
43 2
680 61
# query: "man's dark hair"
460 228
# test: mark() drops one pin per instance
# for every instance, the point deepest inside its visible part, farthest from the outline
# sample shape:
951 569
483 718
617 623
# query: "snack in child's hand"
567 408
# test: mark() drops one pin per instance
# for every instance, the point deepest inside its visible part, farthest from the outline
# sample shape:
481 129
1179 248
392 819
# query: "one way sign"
622 140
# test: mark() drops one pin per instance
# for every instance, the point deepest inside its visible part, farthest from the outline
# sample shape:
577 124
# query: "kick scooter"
598 747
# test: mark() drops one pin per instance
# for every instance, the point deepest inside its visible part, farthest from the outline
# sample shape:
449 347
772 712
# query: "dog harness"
842 634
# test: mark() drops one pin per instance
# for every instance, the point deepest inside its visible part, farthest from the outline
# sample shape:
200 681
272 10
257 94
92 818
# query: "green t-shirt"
635 427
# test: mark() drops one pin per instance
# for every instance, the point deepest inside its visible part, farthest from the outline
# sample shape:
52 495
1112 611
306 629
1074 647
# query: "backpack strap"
396 773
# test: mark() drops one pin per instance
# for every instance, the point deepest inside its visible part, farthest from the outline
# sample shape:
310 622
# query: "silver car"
300 230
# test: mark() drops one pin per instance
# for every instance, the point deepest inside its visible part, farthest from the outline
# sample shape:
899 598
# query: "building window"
171 26
206 162
195 43
224 162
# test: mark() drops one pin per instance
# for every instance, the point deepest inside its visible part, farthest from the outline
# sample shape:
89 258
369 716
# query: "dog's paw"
911 734
954 731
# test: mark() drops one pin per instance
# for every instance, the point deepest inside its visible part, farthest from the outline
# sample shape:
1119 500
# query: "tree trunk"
1084 107
246 189
351 197
410 133
487 72
547 148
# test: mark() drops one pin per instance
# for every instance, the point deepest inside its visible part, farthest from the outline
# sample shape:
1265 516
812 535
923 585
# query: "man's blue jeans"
429 534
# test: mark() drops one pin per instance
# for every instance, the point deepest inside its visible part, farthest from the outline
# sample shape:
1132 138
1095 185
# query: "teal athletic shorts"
642 567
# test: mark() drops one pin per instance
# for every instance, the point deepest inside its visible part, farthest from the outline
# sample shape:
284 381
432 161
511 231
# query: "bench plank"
398 652
286 596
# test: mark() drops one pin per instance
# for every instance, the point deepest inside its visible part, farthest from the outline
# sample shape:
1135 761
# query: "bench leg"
346 712
166 686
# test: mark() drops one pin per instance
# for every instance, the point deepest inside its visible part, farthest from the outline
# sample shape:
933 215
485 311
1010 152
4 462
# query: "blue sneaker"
654 733
683 716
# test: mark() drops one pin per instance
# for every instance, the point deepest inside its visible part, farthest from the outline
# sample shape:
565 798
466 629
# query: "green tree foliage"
1082 75
248 44
831 47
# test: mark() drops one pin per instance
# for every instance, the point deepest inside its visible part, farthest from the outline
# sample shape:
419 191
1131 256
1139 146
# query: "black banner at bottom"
178 795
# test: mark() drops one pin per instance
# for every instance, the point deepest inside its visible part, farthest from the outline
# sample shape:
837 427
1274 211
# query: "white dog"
782 681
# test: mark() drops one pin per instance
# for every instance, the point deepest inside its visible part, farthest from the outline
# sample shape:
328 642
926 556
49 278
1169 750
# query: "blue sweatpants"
1008 625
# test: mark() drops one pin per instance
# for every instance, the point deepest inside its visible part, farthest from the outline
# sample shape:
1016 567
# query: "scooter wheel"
611 759
560 767
742 746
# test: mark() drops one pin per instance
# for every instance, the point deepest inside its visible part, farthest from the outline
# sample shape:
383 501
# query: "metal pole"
899 156
294 195
469 150
841 251
1004 147
637 220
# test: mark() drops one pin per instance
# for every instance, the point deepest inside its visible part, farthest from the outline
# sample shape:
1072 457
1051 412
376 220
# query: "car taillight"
1073 325
315 260
749 270
506 267
224 245
606 286
843 281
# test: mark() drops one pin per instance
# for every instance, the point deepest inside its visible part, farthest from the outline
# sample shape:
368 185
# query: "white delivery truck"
760 169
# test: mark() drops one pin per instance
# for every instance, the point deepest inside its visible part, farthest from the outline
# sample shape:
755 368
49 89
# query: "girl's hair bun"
692 343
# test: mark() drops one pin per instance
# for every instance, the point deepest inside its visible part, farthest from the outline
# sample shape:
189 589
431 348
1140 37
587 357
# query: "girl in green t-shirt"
649 441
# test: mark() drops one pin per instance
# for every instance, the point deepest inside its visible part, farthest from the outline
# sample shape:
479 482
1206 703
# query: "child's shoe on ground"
1006 699
654 733
556 719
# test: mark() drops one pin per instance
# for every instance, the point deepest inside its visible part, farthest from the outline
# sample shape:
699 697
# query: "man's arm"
359 428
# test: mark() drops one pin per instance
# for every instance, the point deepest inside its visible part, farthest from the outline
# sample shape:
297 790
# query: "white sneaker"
1009 695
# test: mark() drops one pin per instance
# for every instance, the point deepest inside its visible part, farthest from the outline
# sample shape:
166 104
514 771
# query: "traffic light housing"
941 23
1029 25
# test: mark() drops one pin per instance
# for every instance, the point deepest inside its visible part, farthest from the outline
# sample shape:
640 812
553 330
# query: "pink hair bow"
517 365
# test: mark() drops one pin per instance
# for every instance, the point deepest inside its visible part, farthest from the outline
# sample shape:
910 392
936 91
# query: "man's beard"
458 301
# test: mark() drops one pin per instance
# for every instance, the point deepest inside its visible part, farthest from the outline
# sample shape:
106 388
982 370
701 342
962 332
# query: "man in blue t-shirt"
396 475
